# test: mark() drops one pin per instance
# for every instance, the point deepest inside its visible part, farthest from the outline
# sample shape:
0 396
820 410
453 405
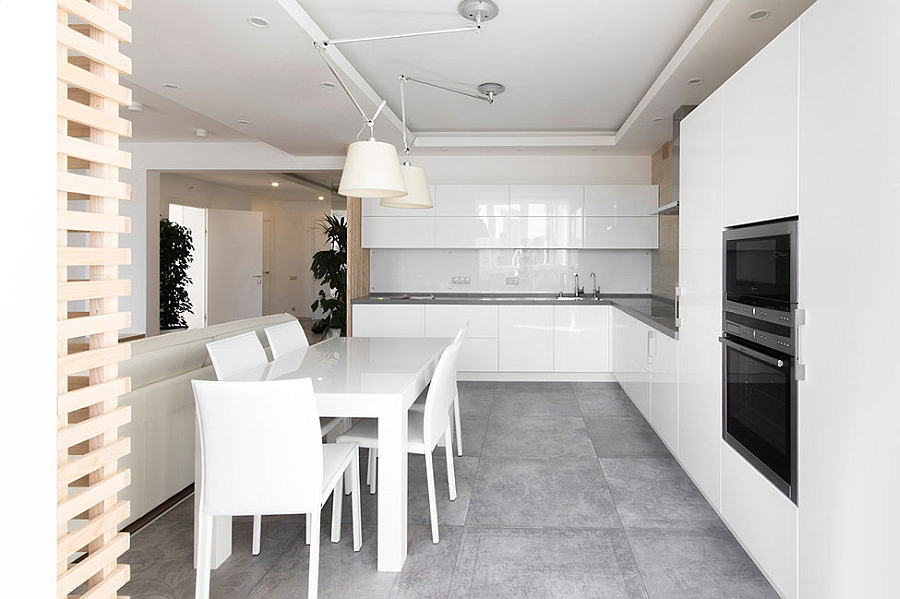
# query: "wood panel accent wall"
664 261
357 259
88 317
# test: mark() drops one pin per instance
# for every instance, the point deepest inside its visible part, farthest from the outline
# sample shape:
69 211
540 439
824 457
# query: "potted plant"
329 266
175 255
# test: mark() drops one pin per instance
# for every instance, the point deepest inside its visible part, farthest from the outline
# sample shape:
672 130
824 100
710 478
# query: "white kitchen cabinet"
472 200
664 389
479 348
620 200
581 338
545 232
700 303
398 232
526 338
373 207
760 135
388 320
621 232
471 232
632 349
546 200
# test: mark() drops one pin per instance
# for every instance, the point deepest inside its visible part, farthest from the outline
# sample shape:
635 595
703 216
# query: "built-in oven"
759 338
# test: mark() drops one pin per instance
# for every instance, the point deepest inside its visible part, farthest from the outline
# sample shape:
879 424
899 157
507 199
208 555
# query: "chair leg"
432 500
373 469
451 474
458 425
355 503
204 551
337 500
343 427
313 591
257 533
308 528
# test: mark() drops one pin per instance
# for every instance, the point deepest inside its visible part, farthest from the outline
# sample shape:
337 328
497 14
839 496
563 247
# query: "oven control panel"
768 339
765 314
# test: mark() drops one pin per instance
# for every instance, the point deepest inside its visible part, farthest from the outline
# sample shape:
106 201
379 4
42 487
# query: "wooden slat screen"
88 289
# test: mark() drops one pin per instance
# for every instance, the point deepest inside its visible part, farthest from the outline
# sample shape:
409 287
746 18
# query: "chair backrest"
233 355
463 331
260 447
440 395
286 338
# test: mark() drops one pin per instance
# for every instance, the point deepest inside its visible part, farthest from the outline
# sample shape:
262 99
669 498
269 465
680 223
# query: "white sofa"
162 408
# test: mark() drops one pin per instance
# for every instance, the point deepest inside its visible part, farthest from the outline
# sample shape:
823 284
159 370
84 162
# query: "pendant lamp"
419 195
372 170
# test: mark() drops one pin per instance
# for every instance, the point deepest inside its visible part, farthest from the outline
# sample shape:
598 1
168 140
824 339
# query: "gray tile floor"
564 491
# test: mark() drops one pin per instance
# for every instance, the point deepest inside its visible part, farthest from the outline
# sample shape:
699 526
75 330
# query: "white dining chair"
290 338
234 355
261 453
426 429
419 404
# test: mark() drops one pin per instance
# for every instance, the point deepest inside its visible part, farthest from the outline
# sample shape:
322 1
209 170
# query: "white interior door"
268 247
234 258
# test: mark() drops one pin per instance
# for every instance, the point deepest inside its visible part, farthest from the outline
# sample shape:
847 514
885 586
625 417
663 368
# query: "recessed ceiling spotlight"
695 81
275 184
328 85
321 198
659 119
201 132
171 86
258 22
243 122
519 150
758 15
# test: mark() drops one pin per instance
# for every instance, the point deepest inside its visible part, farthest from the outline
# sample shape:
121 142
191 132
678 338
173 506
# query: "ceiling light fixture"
328 85
418 195
758 15
243 122
486 91
275 184
258 22
659 119
695 81
320 198
171 86
201 132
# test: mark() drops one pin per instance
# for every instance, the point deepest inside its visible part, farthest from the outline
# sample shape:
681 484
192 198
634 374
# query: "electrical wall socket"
460 280
292 278
512 280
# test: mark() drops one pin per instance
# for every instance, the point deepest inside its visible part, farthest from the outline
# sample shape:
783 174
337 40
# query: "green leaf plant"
176 249
329 267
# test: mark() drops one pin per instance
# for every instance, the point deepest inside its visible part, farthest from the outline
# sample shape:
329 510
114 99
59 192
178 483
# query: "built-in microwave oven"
760 265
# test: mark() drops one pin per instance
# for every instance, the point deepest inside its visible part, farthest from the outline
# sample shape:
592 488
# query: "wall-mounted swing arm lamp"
419 195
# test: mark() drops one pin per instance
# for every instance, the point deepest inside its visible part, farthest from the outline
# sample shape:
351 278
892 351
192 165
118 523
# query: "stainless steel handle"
258 279
678 293
651 346
770 360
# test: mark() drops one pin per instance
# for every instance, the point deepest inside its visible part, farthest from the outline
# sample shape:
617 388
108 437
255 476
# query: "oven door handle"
770 360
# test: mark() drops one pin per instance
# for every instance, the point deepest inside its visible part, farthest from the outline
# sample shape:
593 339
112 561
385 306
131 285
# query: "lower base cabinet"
664 389
526 338
581 338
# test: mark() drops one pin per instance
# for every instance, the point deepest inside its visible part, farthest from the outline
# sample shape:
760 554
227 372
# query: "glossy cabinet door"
479 348
373 207
472 200
546 200
526 338
632 346
664 389
581 338
388 320
700 303
390 232
471 232
621 232
760 134
545 232
620 200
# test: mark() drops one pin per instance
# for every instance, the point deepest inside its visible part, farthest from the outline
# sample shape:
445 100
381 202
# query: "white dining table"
371 377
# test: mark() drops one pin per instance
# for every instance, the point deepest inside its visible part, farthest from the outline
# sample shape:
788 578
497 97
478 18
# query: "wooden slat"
72 74
92 325
112 582
92 186
76 94
81 44
83 290
91 152
86 568
95 17
77 164
93 394
76 256
77 539
77 130
96 119
73 220
94 358
108 487
89 462
77 433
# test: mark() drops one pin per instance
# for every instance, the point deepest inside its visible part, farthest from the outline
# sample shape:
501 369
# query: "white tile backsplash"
537 270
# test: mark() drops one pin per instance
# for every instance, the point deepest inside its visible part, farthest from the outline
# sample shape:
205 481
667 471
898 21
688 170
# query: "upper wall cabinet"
620 200
373 207
472 200
546 200
760 135
398 232
471 232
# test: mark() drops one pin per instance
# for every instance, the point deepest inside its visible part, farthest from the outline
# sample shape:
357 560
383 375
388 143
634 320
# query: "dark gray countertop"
657 312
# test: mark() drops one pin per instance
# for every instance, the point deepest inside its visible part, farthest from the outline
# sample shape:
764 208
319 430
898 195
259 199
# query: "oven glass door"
759 391
758 270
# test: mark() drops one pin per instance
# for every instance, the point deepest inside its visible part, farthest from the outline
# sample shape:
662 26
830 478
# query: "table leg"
392 489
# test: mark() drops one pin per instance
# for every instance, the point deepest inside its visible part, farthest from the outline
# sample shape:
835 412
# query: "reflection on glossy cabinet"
549 232
620 200
472 200
526 338
406 232
479 348
581 338
546 200
389 320
373 207
621 232
631 364
471 232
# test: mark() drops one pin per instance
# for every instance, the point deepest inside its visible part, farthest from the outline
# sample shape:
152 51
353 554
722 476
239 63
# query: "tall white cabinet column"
849 214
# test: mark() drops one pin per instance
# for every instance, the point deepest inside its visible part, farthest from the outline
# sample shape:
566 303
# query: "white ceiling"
580 76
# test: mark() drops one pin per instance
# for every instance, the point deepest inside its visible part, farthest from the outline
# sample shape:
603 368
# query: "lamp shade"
372 170
419 195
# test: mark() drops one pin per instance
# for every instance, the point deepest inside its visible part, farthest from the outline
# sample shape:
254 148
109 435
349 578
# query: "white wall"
28 426
296 239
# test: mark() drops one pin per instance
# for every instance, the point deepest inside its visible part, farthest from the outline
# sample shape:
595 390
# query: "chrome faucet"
576 284
595 289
